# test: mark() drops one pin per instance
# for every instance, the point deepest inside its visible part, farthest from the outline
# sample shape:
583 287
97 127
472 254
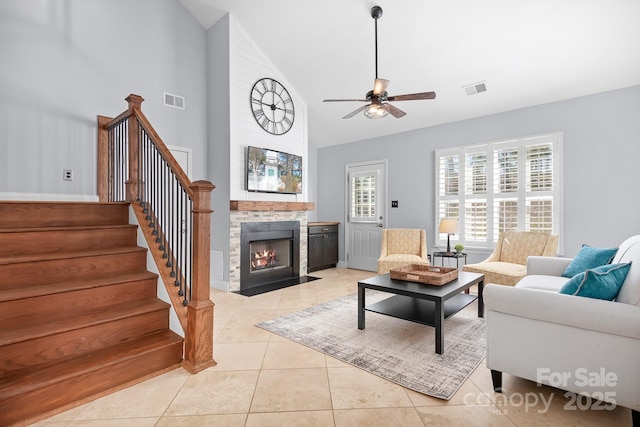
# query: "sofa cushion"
589 257
542 282
503 273
602 282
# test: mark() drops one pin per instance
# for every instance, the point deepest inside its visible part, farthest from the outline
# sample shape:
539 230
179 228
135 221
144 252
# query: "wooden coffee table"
417 302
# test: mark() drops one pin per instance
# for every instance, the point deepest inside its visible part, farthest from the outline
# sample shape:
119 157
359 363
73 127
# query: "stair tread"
32 291
72 254
65 228
31 327
28 379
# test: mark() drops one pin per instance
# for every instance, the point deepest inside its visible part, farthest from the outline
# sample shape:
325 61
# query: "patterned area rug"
397 350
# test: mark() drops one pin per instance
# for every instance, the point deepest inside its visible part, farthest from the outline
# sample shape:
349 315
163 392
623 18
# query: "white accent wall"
235 63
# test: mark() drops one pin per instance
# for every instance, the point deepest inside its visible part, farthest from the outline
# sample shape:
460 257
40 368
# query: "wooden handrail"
197 319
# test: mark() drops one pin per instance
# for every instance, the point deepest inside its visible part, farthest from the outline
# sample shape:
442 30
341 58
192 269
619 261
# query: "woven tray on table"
427 274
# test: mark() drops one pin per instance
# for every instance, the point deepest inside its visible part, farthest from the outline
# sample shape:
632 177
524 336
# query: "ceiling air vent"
175 101
475 88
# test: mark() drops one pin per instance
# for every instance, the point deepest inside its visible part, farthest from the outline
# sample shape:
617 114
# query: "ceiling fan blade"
344 100
395 112
380 86
412 96
353 113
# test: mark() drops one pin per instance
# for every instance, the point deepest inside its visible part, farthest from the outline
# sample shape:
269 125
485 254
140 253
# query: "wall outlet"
67 174
394 203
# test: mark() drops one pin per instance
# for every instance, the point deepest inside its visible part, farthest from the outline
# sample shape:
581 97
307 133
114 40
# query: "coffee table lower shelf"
419 310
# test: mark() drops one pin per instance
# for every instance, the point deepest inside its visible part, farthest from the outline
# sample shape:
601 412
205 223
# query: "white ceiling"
528 53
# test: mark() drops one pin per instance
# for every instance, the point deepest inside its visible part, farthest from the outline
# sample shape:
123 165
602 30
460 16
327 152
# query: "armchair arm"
579 312
383 245
546 265
495 255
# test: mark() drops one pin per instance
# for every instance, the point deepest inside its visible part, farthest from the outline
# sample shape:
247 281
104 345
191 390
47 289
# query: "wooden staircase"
79 316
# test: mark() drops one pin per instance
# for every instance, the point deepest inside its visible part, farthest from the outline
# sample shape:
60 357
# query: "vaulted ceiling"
526 52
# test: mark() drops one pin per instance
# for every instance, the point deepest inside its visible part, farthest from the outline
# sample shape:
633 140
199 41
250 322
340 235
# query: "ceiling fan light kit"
375 111
378 98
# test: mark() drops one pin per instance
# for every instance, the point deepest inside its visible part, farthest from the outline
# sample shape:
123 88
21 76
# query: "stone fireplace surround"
257 211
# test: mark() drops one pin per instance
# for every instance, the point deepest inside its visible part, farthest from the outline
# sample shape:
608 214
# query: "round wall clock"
272 106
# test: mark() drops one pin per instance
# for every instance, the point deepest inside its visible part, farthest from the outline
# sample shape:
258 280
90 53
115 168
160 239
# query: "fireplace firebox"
269 252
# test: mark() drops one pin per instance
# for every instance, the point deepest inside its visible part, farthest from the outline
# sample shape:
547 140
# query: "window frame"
523 197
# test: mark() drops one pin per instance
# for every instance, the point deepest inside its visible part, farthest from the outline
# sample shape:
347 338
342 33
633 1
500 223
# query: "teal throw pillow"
602 282
589 257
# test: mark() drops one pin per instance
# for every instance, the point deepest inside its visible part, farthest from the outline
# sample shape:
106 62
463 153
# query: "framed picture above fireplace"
272 171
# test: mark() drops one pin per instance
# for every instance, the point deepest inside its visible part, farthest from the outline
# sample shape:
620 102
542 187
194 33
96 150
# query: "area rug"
397 350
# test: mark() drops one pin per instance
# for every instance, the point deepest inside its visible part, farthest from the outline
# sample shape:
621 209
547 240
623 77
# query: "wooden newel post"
135 102
198 343
103 159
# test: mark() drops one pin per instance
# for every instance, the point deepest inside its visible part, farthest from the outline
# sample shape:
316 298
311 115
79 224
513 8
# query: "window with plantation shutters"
500 186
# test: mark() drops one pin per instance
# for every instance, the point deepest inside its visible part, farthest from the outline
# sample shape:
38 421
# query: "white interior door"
366 216
183 157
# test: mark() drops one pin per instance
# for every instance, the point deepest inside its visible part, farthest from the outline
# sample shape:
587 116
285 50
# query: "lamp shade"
448 225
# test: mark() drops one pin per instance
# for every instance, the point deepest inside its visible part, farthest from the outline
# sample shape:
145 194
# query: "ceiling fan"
378 99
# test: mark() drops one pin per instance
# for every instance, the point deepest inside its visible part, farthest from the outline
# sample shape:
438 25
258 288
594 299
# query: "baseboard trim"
44 197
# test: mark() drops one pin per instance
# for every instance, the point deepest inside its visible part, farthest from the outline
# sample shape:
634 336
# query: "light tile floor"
262 379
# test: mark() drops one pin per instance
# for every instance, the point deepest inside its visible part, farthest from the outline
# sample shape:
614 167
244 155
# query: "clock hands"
273 106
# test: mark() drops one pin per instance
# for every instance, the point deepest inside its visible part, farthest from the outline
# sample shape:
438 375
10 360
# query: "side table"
456 255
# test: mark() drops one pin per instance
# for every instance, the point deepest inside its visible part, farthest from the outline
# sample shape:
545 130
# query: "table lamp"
449 226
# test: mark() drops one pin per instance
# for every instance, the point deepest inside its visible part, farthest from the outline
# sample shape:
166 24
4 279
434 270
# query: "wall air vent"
475 88
175 101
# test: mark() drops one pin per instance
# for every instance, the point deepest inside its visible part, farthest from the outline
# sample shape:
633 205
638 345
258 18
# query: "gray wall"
66 61
312 179
601 155
219 135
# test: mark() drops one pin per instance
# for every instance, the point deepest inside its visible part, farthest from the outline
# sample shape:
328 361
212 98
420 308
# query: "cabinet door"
331 249
315 251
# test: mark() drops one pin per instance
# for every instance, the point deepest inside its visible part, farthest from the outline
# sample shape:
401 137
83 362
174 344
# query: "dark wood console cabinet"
322 245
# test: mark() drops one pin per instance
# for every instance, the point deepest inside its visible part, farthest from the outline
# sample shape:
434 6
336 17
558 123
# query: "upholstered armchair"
402 246
508 262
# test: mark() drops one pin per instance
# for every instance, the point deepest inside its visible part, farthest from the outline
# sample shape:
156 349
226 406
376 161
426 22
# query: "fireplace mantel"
254 205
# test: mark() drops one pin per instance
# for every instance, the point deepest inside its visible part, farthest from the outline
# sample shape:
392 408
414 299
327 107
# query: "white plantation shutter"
539 185
475 221
475 203
506 185
448 183
476 173
505 215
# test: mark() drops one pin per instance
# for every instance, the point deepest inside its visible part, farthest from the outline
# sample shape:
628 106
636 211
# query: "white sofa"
565 341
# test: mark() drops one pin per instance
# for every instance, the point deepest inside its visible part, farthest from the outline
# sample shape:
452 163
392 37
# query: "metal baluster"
173 233
144 173
189 237
140 144
160 217
178 248
147 190
152 199
183 252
